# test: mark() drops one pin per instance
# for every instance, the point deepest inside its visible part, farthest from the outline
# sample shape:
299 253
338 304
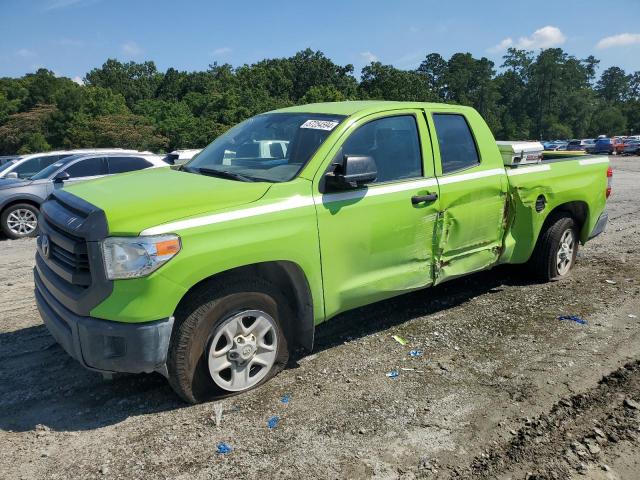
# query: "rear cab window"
458 149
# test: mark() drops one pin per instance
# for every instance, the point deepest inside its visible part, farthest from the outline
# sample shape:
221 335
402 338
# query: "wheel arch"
577 209
287 276
34 201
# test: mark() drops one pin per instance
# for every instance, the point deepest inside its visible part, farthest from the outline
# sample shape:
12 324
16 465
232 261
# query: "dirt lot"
503 390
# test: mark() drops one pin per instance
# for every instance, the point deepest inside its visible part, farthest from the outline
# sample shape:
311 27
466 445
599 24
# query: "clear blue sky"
72 36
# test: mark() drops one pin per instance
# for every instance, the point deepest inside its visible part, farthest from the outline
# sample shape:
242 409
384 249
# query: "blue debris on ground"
415 353
573 318
223 448
393 374
285 398
273 422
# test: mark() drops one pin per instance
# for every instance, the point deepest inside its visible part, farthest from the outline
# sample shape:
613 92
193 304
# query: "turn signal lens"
168 247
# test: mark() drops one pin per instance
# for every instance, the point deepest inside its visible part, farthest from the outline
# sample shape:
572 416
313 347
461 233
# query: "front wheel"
556 250
228 338
20 221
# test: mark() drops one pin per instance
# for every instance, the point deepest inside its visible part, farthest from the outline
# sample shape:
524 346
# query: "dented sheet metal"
536 192
470 228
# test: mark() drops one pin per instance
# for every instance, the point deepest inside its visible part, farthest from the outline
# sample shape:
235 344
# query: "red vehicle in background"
609 146
618 145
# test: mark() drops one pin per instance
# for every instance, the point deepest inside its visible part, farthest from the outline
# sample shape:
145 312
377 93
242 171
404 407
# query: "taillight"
609 181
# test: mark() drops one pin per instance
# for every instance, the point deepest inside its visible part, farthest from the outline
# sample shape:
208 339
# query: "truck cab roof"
358 106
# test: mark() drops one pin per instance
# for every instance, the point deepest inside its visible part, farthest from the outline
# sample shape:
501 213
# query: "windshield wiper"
224 174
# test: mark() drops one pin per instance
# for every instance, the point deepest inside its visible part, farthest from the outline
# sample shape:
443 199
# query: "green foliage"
614 85
34 142
124 130
546 95
24 131
609 120
385 82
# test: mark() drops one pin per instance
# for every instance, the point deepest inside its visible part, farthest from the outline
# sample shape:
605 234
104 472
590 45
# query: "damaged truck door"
473 191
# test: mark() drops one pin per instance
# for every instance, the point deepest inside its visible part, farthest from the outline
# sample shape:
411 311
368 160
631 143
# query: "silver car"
20 198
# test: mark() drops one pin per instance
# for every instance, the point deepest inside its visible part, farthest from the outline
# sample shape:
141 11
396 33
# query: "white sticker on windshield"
320 124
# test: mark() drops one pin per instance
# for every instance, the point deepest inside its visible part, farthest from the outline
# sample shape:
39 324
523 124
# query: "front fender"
287 235
19 197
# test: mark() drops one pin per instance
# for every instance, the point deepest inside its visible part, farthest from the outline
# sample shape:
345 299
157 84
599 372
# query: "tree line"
547 95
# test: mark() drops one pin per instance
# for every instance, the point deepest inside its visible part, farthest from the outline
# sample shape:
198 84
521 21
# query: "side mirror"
61 177
354 171
12 175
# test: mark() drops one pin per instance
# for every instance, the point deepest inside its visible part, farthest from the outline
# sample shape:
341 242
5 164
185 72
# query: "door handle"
429 197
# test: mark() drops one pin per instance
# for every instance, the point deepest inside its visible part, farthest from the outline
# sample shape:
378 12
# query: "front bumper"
601 225
104 345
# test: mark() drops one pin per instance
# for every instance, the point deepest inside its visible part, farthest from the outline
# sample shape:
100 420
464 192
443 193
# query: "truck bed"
575 182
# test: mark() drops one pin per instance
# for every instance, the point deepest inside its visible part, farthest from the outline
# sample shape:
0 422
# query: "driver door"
377 241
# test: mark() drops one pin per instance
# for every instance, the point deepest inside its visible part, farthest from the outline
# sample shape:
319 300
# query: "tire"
201 325
20 221
545 263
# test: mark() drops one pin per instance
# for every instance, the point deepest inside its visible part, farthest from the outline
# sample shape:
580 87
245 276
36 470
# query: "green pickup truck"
212 273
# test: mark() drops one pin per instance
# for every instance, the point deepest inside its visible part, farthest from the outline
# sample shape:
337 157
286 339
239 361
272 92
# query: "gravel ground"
503 388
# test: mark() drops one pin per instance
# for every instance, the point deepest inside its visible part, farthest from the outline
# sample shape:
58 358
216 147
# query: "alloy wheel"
564 257
243 350
22 222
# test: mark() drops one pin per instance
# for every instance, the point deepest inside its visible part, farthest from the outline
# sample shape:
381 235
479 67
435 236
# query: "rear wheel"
228 338
556 250
20 221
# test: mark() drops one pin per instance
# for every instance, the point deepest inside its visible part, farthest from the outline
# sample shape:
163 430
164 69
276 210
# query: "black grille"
66 254
69 263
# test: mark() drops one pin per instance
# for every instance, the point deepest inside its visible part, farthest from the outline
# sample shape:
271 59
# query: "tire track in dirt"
572 437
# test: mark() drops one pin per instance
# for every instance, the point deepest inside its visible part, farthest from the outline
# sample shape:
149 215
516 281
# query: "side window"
126 164
457 147
87 168
393 143
34 165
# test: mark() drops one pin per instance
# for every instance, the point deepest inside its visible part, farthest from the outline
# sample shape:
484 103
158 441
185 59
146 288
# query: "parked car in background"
555 145
590 144
4 159
631 147
29 165
580 145
20 198
7 165
610 146
178 157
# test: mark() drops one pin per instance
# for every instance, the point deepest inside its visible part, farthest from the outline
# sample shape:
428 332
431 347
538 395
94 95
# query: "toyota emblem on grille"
44 245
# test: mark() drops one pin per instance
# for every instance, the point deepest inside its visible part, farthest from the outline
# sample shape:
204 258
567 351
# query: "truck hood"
133 202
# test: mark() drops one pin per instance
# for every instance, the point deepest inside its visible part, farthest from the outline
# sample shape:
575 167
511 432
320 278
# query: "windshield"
7 165
42 174
272 147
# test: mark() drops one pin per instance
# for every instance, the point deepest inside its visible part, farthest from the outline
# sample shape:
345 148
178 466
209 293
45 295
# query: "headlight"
132 257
